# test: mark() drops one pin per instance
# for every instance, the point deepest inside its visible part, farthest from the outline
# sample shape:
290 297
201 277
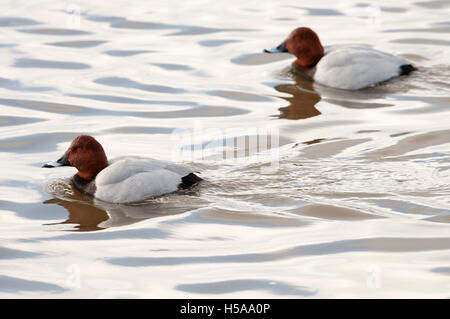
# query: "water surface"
357 207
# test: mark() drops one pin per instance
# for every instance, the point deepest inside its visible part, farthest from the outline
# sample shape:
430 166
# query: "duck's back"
132 179
353 67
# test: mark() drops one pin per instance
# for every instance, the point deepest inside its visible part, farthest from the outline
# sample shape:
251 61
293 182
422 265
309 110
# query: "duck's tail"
406 69
189 180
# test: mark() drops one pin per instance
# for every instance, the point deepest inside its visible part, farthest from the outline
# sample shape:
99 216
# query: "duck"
347 67
125 179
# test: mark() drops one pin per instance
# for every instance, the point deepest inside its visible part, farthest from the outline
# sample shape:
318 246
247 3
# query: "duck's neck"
88 176
308 62
83 185
89 173
81 180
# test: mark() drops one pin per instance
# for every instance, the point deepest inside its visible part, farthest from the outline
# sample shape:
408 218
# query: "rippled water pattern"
357 207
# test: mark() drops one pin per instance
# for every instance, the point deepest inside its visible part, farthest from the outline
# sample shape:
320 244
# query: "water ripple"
36 63
127 83
400 245
228 286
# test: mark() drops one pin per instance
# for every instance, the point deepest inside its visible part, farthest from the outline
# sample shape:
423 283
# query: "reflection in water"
90 214
95 215
303 100
305 94
87 217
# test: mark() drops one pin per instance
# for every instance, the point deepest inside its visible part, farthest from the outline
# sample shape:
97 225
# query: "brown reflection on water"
302 102
305 94
87 217
89 214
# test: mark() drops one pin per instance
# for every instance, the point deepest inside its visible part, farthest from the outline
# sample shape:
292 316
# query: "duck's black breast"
83 185
406 69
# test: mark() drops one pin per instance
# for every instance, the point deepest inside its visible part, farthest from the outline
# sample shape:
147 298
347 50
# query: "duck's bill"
63 161
279 49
